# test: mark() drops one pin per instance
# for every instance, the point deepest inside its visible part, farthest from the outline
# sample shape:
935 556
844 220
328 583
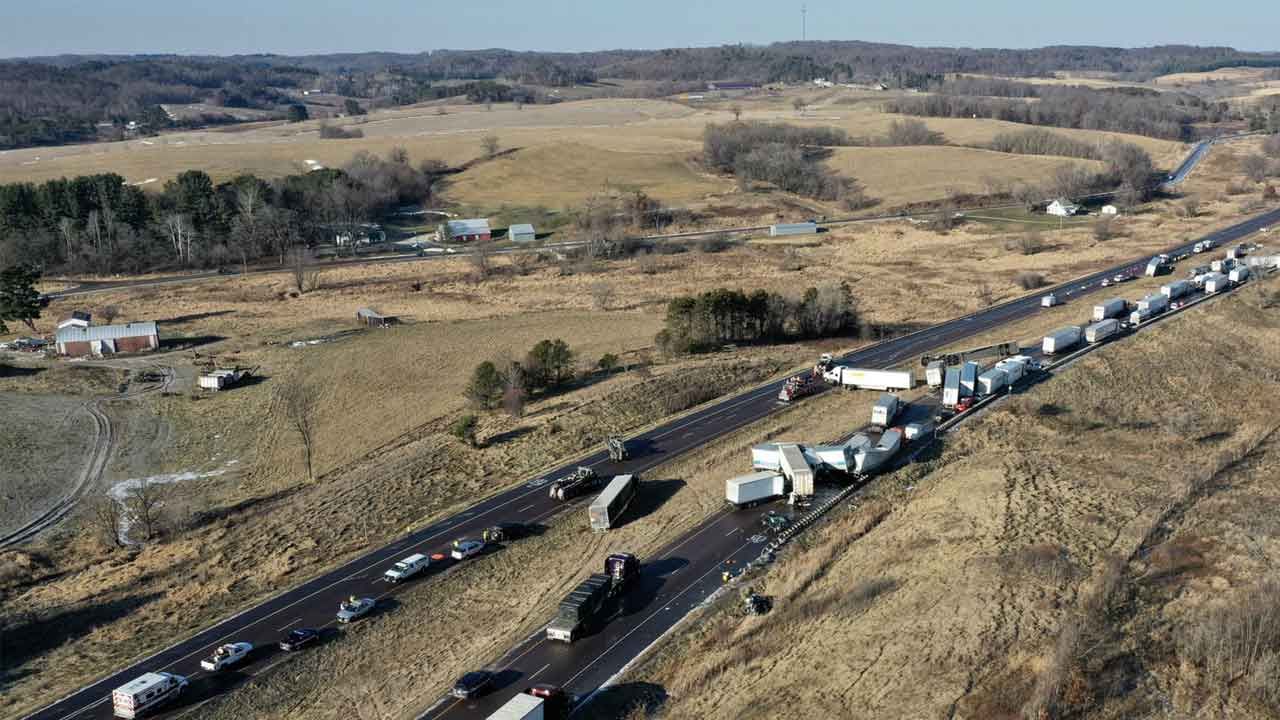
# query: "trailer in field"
610 504
800 228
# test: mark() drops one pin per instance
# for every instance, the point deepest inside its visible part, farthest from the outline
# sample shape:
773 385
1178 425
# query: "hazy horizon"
292 27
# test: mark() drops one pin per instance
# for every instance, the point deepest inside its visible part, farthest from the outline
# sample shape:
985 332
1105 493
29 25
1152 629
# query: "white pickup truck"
226 656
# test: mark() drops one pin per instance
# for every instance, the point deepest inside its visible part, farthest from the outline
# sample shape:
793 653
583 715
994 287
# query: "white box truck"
951 388
1154 304
1221 266
521 707
1238 274
1064 338
1114 307
1049 300
885 410
969 379
145 693
992 381
756 487
1100 331
936 373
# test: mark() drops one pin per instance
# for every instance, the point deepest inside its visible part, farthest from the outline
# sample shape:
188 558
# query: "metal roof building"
76 340
522 232
373 318
465 230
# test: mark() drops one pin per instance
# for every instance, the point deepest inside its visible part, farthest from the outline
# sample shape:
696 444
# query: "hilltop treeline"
100 223
697 323
1161 115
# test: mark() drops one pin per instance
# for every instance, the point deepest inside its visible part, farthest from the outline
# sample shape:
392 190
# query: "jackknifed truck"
586 605
610 504
579 482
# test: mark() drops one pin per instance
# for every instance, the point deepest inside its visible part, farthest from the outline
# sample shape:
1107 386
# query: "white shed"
1062 208
522 232
1109 210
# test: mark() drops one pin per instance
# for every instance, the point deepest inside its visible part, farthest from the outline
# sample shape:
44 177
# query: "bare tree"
513 398
300 401
105 516
1189 207
1254 167
1103 229
299 257
108 313
602 294
799 105
490 145
985 297
479 259
737 112
1031 243
178 228
145 505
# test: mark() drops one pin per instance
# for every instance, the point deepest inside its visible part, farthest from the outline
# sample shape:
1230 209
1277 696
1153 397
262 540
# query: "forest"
98 223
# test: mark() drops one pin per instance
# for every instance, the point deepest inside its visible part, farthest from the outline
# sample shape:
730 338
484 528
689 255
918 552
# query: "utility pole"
804 25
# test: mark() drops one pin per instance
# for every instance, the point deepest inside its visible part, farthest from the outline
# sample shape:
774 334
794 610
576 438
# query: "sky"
222 27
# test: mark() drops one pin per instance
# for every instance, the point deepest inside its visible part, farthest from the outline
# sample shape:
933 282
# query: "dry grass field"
563 153
1062 547
43 443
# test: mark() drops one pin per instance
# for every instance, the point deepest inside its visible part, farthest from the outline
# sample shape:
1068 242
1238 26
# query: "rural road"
673 581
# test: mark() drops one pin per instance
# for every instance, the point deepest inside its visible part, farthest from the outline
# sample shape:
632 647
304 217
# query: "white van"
407 568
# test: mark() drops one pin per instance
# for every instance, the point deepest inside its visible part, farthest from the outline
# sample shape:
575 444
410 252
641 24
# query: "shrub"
1029 280
333 132
1103 228
912 132
718 242
464 428
1030 243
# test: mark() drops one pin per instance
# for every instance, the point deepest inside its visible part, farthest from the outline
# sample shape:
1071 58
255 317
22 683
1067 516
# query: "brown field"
976 585
900 175
564 153
1231 74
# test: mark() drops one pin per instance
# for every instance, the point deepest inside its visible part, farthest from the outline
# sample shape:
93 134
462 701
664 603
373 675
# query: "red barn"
78 341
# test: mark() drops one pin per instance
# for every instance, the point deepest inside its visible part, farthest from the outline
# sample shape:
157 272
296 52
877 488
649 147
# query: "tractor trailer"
1100 331
1064 338
586 605
757 487
885 410
610 504
1112 308
864 379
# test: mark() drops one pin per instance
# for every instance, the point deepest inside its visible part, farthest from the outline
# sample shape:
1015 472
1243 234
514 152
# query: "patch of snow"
121 490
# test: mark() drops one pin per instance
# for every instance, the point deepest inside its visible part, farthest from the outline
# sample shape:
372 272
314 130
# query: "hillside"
1098 547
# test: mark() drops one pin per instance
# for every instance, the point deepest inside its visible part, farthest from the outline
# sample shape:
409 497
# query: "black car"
473 684
299 638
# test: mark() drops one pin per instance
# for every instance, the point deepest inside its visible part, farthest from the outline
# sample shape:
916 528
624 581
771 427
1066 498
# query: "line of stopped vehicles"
779 470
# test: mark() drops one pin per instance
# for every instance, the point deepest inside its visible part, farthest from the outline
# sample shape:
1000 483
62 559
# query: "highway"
682 576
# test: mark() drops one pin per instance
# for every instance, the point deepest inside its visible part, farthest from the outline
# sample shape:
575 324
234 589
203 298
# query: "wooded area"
699 323
100 223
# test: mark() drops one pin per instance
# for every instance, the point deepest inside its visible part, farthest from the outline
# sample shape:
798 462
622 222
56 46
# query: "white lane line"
291 624
526 507
732 532
539 672
655 613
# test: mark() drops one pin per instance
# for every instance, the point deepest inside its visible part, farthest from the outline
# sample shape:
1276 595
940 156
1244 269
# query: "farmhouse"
1062 208
465 230
78 341
1109 210
522 232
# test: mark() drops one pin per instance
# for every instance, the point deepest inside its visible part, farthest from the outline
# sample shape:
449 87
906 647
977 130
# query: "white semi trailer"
756 487
1100 331
865 379
1064 338
1114 307
885 410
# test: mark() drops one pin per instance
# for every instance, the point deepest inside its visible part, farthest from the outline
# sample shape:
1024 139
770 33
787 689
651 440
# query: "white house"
1108 210
1062 208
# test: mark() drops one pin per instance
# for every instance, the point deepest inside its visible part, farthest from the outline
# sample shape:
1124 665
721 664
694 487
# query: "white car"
226 656
463 549
1106 282
354 608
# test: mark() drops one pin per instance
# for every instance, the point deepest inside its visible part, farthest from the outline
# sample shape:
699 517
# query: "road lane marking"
293 622
539 672
732 532
526 507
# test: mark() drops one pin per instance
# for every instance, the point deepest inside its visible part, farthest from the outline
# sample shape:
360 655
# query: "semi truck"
1216 282
1238 274
145 693
1000 349
969 379
1223 265
794 388
1112 308
753 488
1014 368
864 379
1175 289
992 381
869 458
797 469
585 606
951 388
885 410
611 503
1154 304
935 373
579 482
1100 331
540 702
1064 338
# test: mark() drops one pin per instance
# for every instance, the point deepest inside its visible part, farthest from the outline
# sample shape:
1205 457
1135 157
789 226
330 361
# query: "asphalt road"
683 575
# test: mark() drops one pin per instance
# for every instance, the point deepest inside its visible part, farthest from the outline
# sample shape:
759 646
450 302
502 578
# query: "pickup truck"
226 656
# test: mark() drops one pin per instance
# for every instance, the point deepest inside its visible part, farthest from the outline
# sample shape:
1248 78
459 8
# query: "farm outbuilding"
471 230
522 232
77 318
78 341
373 318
